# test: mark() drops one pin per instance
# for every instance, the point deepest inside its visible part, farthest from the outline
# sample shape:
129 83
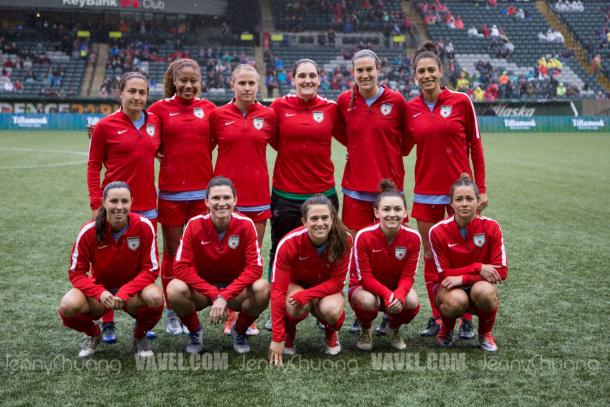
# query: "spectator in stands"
495 32
478 94
551 36
473 32
561 90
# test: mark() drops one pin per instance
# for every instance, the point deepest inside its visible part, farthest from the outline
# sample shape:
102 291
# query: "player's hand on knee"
490 274
107 300
451 282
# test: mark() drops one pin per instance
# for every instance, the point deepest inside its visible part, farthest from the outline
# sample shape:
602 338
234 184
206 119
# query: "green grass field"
549 192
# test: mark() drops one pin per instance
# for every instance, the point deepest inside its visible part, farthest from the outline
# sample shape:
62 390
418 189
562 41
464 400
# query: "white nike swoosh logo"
174 114
102 247
452 244
303 258
290 114
202 242
377 250
121 131
231 122
415 115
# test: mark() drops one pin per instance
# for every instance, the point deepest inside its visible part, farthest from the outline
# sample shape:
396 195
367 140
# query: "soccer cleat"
488 342
173 326
444 339
355 328
383 325
432 328
151 335
89 345
332 344
231 318
253 330
466 331
269 325
240 341
396 340
108 333
365 340
195 343
142 347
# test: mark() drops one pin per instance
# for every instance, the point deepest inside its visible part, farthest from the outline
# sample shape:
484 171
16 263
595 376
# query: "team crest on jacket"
258 123
445 111
400 253
386 109
233 241
133 243
198 112
318 116
479 239
150 130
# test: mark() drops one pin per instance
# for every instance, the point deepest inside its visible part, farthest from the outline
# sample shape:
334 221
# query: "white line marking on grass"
53 165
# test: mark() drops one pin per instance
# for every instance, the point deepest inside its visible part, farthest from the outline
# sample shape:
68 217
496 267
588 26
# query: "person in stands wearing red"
114 265
242 129
383 267
125 144
308 274
307 123
443 125
186 162
470 258
218 264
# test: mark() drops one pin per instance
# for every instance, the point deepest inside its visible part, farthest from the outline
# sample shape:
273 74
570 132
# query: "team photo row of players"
375 123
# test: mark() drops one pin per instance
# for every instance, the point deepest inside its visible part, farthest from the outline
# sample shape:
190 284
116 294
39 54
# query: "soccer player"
308 274
125 144
242 129
469 254
218 264
383 269
443 125
119 252
186 164
303 167
375 121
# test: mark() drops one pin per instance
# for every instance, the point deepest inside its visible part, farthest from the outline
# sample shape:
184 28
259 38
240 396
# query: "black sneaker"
434 324
355 328
466 331
383 325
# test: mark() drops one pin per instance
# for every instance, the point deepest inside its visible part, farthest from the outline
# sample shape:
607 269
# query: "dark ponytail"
388 188
427 50
338 237
100 219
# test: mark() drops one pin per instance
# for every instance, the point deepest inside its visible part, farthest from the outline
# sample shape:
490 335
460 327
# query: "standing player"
383 269
218 264
443 124
186 166
242 129
308 275
468 251
125 144
303 167
119 251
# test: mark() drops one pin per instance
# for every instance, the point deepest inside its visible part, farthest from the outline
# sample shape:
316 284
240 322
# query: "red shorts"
359 214
430 213
257 216
178 213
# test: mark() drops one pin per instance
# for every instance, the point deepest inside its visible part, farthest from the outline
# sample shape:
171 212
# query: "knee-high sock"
81 323
430 276
167 273
108 316
365 317
486 320
146 319
244 320
403 318
447 326
335 326
467 317
191 321
291 327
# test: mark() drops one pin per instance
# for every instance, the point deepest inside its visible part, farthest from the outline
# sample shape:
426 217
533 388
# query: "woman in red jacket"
307 276
218 264
470 259
383 269
443 125
114 265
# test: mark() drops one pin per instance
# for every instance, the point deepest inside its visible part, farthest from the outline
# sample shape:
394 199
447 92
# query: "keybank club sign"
200 7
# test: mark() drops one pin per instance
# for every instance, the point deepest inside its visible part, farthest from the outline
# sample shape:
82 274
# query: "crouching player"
307 276
120 251
469 254
218 264
383 269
